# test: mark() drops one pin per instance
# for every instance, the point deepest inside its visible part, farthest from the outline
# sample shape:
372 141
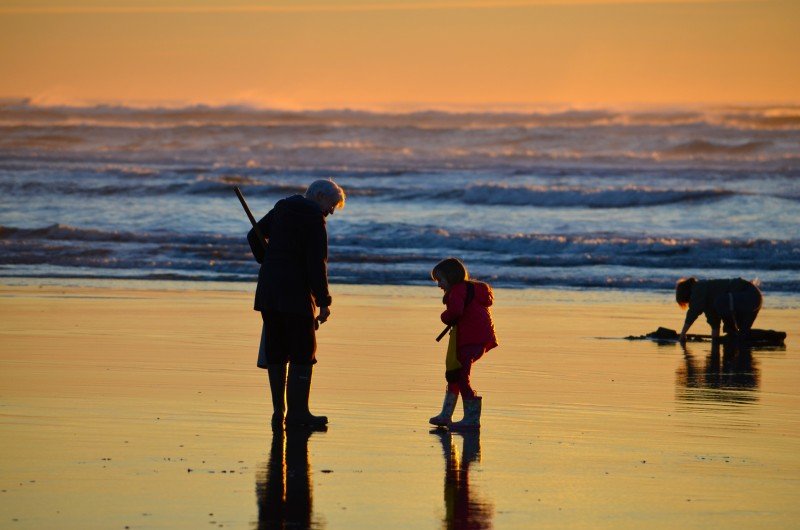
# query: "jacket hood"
299 206
483 293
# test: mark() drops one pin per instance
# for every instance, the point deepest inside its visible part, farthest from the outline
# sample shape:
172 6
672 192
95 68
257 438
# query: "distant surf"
577 198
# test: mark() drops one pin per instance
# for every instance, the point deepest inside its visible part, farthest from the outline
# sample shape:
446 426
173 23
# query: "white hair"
326 188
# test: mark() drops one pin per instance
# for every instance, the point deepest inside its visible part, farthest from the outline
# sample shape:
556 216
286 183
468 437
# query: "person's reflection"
730 377
283 485
464 508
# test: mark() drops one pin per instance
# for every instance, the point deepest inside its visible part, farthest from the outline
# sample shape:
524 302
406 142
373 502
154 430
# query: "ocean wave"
574 196
556 250
768 118
61 232
383 146
705 147
64 232
401 253
192 185
223 185
410 243
20 112
218 185
200 185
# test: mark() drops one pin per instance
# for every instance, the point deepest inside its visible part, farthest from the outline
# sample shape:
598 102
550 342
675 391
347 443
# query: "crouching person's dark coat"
294 268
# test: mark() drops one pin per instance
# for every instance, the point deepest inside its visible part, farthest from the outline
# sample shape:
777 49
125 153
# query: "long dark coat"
294 268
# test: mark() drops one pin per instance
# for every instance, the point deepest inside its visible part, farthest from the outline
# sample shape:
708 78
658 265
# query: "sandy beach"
578 155
132 408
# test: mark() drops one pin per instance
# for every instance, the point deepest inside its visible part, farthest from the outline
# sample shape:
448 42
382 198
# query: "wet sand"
140 408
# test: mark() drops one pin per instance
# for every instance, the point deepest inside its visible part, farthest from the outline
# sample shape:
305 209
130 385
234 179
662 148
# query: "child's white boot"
448 407
472 416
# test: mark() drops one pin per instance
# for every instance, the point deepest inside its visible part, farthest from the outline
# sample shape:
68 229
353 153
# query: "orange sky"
395 53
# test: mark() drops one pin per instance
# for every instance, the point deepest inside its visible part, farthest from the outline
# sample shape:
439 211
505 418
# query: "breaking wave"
24 111
575 196
390 253
358 139
704 147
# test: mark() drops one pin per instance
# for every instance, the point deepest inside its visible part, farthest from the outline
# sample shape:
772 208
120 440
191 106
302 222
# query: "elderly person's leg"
274 357
301 366
277 385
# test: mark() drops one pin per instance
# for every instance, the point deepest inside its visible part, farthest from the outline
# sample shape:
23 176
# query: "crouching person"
732 303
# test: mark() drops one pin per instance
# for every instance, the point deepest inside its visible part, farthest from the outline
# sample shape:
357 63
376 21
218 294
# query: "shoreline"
522 295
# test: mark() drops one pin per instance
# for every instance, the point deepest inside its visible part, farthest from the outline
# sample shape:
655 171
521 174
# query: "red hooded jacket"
474 321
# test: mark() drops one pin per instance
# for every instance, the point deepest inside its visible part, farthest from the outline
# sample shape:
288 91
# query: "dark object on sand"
756 337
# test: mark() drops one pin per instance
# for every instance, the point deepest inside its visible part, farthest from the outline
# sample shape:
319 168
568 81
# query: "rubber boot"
472 416
446 415
277 387
298 389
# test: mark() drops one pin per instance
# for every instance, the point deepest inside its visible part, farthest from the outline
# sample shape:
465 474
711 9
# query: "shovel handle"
443 333
250 216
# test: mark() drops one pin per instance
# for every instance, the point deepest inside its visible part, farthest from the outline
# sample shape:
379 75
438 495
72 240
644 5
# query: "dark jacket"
475 326
705 294
294 268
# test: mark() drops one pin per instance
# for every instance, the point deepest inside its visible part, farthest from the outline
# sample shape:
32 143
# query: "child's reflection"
283 485
729 377
464 508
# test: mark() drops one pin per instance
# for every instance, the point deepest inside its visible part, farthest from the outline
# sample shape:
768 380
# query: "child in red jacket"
468 303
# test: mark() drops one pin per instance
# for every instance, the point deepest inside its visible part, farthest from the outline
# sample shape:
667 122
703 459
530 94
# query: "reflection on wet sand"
283 484
464 507
732 377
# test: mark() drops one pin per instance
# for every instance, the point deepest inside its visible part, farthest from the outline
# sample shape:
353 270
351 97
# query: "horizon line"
396 107
351 8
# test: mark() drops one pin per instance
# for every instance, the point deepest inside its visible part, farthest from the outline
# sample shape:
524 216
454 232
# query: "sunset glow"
401 54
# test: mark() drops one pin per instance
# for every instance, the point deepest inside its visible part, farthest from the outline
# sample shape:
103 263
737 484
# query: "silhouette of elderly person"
292 284
734 303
